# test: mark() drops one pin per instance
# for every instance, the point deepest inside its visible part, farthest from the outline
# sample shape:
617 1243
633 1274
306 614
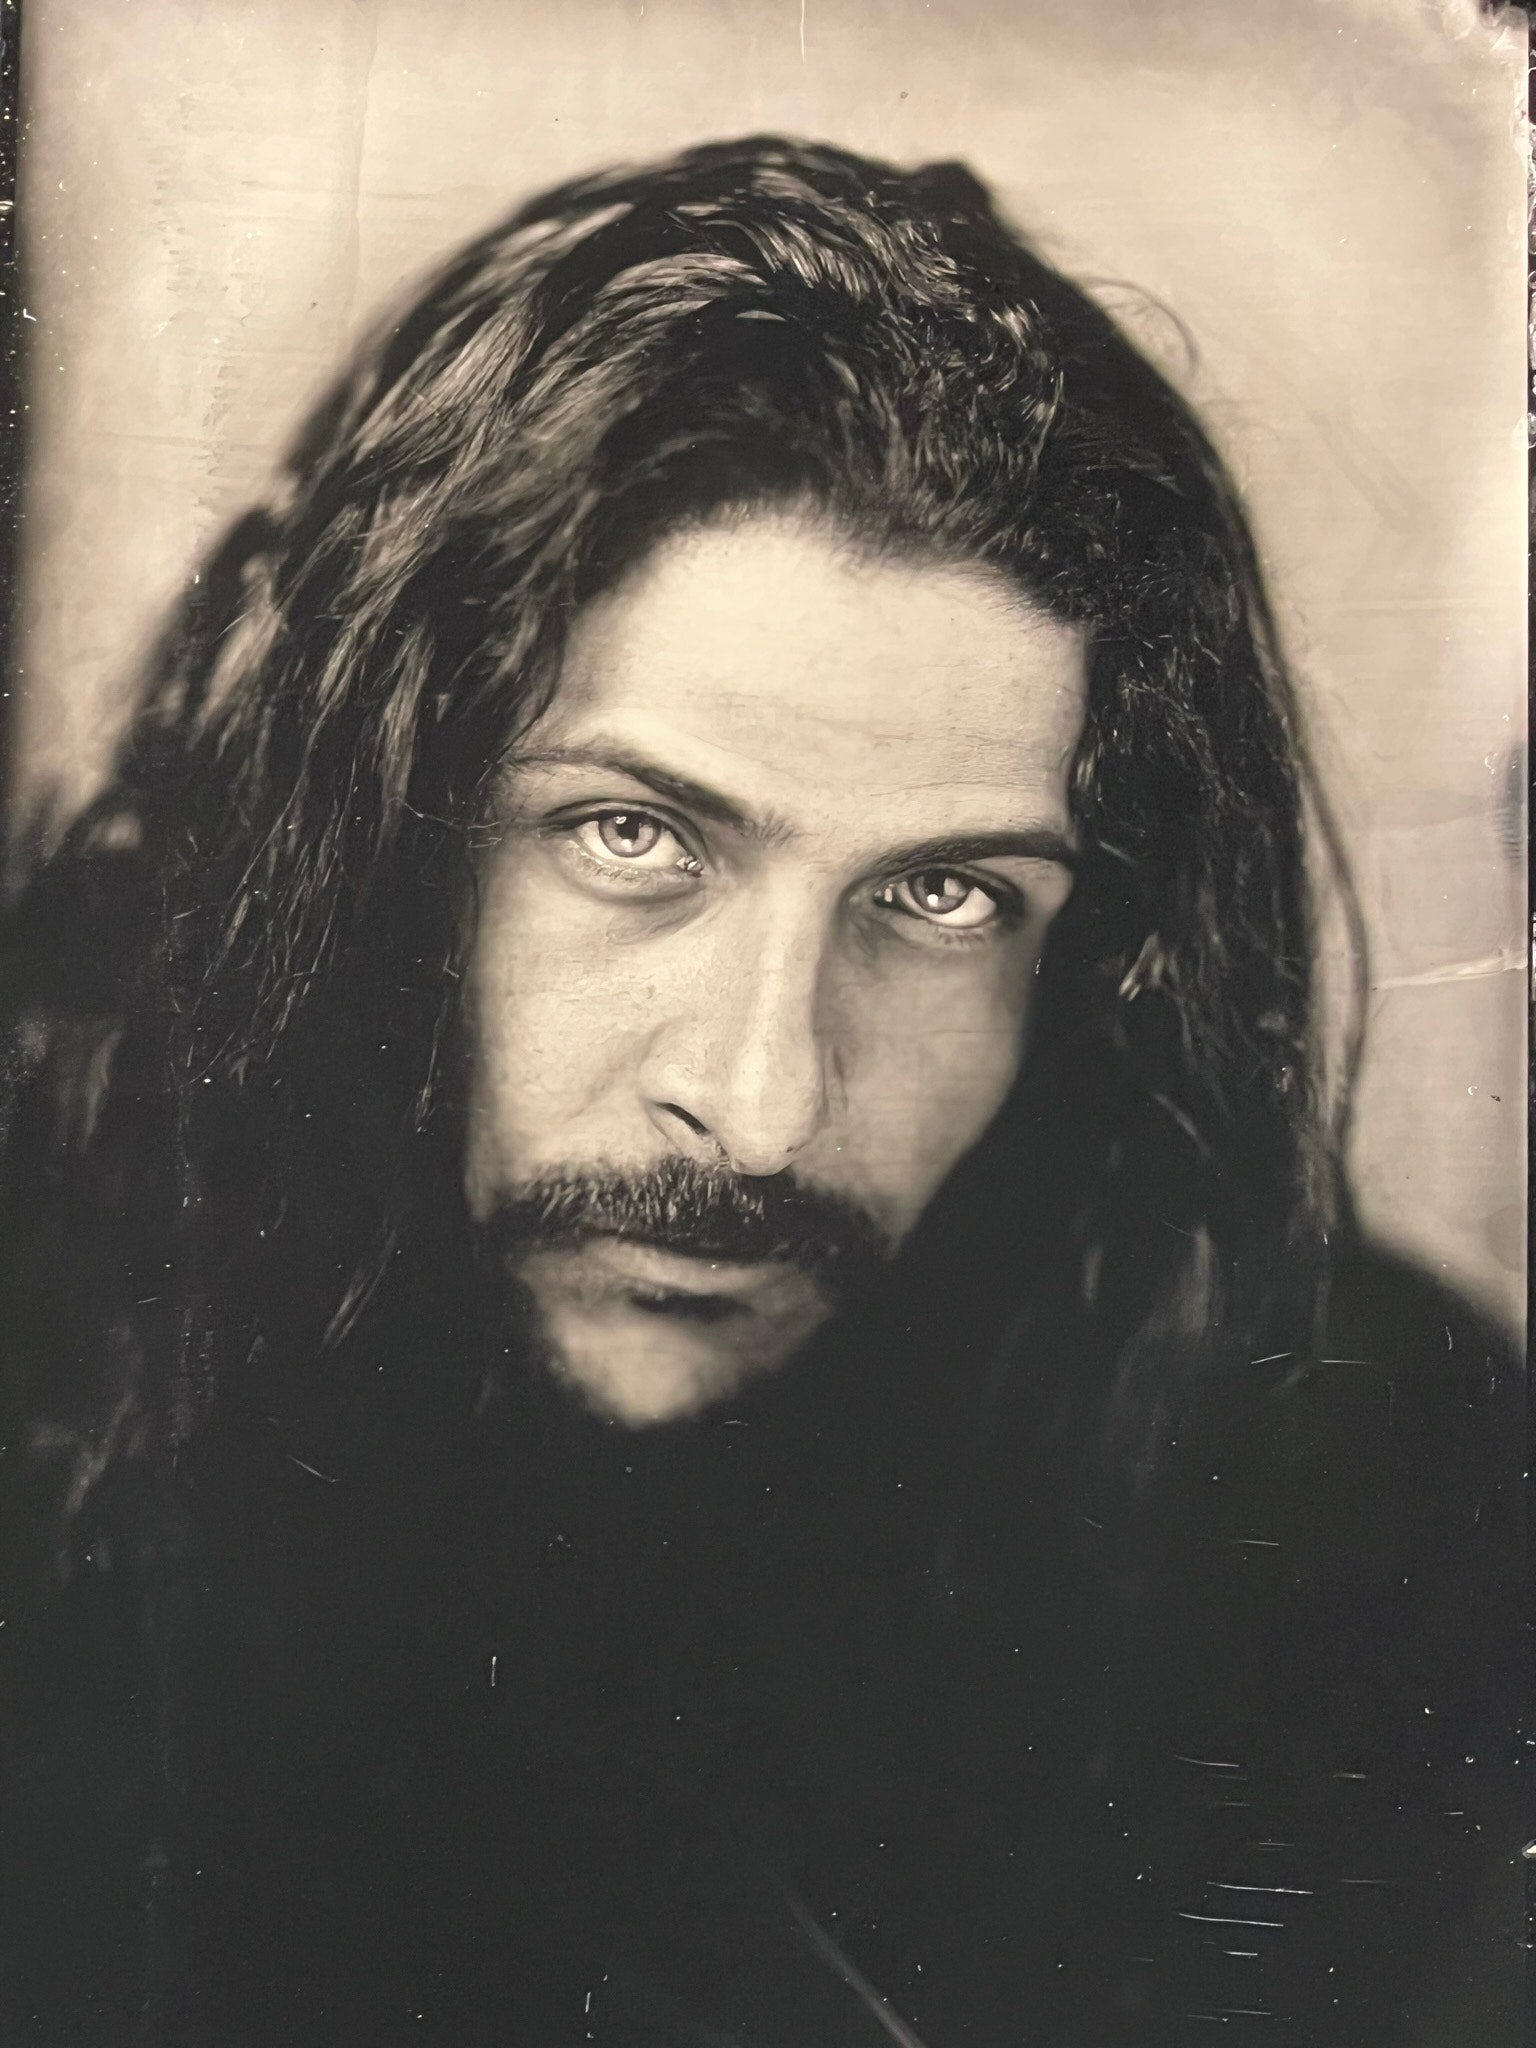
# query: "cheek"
553 1021
935 1066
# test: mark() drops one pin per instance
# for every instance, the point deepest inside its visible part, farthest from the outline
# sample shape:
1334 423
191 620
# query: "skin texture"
773 879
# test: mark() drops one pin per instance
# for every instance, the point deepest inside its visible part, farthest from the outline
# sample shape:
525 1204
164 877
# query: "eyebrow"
1026 842
681 789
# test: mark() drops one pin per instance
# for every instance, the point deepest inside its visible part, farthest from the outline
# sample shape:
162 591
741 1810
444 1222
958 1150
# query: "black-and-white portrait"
761 1126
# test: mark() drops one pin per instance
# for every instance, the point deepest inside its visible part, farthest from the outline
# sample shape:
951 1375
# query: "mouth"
690 1308
652 1273
616 1272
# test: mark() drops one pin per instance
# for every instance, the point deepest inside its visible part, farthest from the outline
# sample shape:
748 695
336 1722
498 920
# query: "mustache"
700 1212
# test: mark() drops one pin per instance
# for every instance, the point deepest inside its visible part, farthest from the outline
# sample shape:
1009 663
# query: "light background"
1329 194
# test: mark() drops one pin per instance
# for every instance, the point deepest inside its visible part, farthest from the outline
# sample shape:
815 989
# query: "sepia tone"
762 1026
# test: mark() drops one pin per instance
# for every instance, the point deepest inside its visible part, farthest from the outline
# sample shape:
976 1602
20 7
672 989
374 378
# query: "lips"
690 1272
612 1272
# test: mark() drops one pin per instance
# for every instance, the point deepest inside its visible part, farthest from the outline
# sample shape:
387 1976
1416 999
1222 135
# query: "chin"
643 1366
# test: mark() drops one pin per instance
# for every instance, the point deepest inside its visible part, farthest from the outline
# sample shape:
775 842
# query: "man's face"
758 941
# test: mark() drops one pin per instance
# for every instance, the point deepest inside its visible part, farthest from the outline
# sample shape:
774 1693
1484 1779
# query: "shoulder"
1363 1473
1383 1470
1398 1450
1415 1355
1413 1396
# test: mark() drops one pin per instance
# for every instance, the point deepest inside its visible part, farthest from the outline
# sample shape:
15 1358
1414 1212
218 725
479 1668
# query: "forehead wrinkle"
860 715
1031 777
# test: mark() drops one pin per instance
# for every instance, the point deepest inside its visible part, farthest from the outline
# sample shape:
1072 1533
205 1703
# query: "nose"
740 1073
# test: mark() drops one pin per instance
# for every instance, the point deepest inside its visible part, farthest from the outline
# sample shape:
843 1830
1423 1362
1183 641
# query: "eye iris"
629 834
939 892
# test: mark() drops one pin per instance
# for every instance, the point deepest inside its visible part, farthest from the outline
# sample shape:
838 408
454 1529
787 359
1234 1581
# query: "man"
688 1358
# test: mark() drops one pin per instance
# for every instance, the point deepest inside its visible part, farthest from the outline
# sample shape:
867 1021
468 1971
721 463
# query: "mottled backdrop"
1327 194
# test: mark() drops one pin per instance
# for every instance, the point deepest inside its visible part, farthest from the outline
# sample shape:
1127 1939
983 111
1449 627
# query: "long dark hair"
277 886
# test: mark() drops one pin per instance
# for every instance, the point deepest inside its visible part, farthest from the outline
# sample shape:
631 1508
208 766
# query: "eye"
633 839
940 896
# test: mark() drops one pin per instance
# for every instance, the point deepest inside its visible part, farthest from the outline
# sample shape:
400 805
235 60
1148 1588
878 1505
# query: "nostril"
683 1131
684 1117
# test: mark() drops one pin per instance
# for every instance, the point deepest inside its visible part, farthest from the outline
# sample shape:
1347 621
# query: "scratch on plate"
1234 2012
313 1470
1293 1891
1227 1920
1506 961
844 1966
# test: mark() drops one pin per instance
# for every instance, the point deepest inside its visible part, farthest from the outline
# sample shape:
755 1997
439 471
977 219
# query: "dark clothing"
822 1720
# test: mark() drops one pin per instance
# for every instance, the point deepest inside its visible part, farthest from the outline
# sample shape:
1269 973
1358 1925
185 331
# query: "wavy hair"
276 889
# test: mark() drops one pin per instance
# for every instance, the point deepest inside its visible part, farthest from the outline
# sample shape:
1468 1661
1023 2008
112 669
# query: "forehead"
783 666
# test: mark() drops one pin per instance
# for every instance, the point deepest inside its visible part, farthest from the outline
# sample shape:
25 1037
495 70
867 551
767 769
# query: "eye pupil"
937 890
628 833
